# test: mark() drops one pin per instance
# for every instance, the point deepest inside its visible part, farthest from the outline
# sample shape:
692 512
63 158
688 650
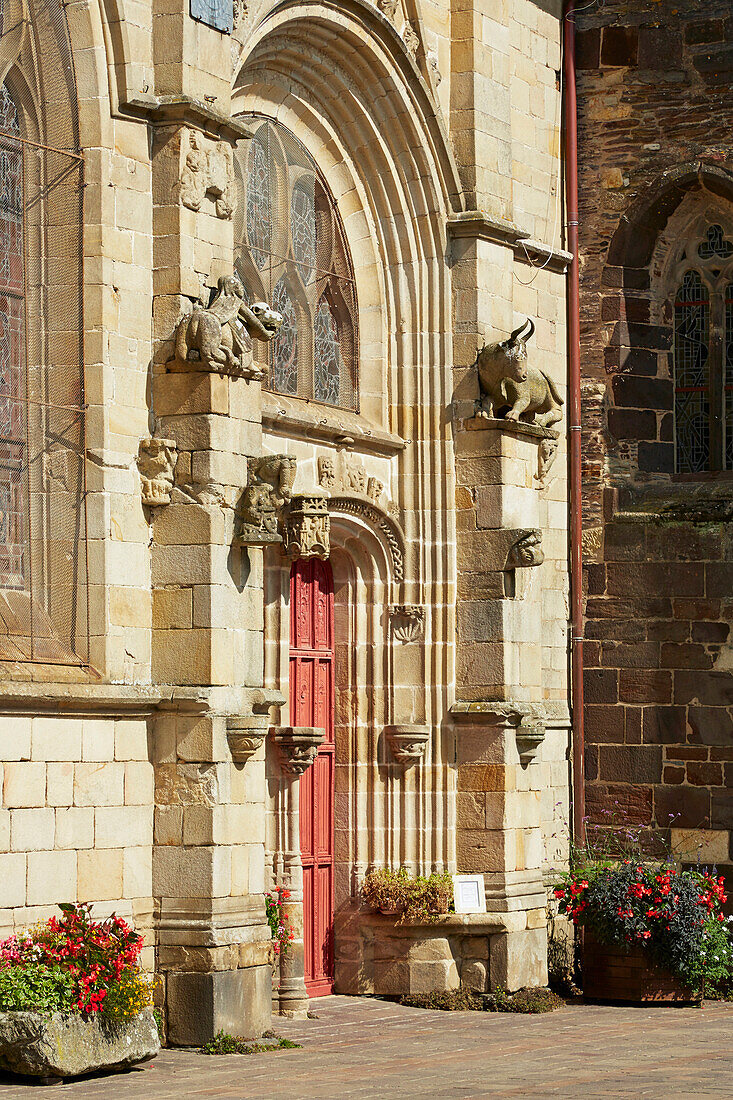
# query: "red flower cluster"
95 953
280 928
713 894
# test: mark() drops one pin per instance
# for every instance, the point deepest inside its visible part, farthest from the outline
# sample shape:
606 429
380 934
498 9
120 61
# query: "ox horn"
513 336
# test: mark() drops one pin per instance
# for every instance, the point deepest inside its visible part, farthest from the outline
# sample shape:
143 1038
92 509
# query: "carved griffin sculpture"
219 338
506 378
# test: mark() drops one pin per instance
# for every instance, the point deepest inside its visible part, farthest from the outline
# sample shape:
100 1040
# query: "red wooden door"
312 704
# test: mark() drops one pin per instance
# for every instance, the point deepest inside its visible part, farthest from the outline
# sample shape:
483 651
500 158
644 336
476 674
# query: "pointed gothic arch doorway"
312 704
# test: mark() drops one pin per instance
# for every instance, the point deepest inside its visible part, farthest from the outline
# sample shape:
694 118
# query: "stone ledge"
512 427
302 419
449 922
478 225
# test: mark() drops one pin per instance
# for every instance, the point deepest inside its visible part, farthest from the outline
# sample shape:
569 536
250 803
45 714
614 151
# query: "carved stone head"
514 351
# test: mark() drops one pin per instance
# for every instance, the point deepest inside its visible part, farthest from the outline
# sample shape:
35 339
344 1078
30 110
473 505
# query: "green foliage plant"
223 1043
36 988
421 898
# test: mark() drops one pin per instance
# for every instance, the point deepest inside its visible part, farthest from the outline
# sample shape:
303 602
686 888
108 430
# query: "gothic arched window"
43 555
703 357
292 252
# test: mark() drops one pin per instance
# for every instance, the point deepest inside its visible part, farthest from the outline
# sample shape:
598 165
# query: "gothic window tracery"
293 253
703 356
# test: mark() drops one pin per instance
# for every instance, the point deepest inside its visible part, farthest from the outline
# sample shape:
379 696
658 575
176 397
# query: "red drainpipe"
576 515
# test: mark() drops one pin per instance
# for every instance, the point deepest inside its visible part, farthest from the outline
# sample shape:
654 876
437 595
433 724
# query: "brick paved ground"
367 1048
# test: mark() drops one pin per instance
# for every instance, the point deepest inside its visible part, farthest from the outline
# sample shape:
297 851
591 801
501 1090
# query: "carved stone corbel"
546 455
408 622
526 550
269 488
307 527
245 735
526 720
156 461
298 746
407 742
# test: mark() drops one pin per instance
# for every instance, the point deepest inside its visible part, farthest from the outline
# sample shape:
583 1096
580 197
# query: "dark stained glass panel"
692 396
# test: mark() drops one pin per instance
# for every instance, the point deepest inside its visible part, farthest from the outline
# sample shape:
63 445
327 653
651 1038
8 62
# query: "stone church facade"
281 602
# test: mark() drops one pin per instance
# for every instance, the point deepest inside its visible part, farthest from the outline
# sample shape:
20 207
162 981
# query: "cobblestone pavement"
359 1047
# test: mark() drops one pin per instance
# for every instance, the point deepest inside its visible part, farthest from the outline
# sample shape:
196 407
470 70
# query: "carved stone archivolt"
407 742
298 746
526 550
156 461
388 527
218 338
408 622
510 388
307 527
207 168
269 489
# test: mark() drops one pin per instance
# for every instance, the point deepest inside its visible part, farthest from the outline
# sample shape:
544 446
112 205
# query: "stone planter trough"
59 1045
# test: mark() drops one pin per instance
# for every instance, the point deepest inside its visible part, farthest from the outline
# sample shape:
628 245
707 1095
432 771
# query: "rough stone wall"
654 85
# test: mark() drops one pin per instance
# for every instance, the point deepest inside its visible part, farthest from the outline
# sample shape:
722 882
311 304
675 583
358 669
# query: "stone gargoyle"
219 338
269 488
506 379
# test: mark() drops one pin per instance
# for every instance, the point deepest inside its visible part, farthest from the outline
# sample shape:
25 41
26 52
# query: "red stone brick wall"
655 137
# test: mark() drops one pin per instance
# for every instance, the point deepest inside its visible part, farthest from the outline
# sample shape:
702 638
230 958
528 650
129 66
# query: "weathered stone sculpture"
208 168
526 551
506 379
156 461
307 528
219 338
270 487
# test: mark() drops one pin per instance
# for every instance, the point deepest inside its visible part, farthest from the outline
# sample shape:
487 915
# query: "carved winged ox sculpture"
219 338
507 379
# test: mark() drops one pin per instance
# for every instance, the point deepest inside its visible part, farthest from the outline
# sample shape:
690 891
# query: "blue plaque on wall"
218 14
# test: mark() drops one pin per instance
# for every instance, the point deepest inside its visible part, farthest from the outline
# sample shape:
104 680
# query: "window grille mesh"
43 550
292 252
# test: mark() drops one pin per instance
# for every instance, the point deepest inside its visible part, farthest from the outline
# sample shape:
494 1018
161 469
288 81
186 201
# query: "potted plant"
73 998
651 932
386 890
396 893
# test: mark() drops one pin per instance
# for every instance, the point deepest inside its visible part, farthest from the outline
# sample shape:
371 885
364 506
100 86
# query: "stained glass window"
715 244
285 345
13 547
692 405
326 369
294 255
703 356
259 212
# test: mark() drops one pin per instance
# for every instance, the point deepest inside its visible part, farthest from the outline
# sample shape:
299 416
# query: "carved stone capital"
245 735
407 742
298 746
526 550
156 461
307 527
408 622
269 488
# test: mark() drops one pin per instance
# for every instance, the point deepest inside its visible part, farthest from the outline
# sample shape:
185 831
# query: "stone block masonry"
656 168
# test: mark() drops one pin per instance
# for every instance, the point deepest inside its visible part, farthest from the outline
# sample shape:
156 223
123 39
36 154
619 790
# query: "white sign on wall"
469 893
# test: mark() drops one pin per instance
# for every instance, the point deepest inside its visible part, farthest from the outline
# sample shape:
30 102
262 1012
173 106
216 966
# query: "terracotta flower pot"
612 972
